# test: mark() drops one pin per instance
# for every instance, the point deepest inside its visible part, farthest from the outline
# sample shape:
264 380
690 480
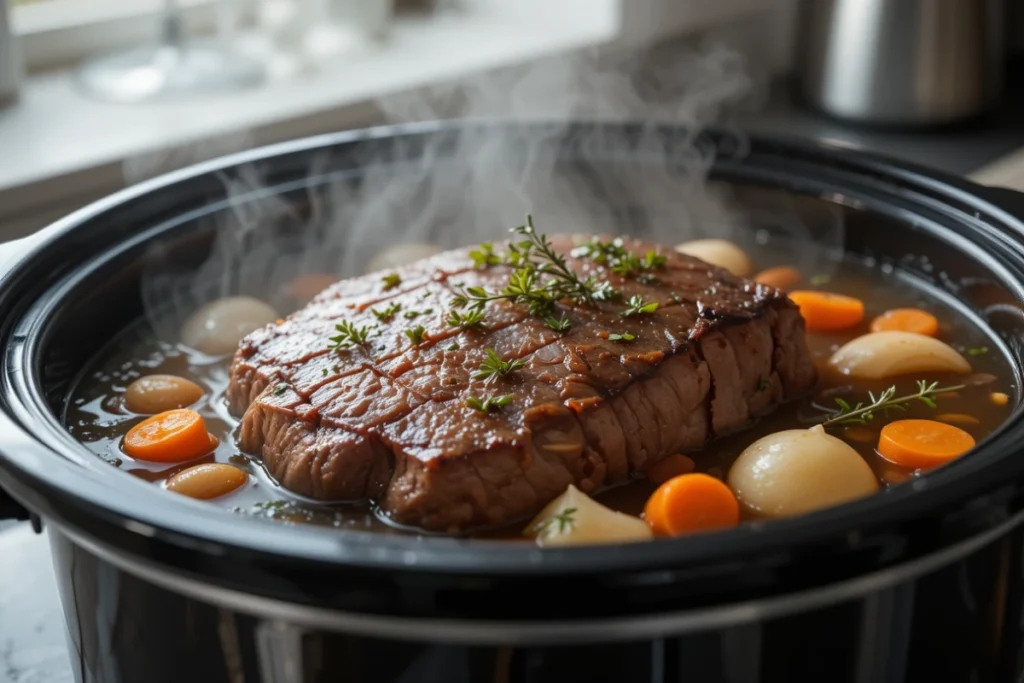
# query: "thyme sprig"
387 314
540 279
416 334
886 402
617 258
494 367
637 306
471 318
488 404
349 336
561 325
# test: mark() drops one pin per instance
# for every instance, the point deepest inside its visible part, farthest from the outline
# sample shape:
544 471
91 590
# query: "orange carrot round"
780 277
691 503
922 444
825 312
171 436
672 466
906 320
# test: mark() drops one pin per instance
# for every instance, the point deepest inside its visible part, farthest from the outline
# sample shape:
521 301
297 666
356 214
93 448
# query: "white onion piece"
217 327
799 470
400 255
574 518
890 354
721 253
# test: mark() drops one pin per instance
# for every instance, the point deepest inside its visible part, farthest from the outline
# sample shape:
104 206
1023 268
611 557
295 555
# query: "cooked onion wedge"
574 518
879 355
797 471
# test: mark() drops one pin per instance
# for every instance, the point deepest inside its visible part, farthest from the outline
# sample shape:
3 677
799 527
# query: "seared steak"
388 420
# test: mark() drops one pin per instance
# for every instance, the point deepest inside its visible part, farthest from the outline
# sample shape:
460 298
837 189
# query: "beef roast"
388 420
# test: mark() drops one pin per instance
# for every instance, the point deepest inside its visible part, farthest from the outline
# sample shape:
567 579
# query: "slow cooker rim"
498 557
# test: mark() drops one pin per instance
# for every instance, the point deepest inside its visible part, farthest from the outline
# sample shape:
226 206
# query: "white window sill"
59 150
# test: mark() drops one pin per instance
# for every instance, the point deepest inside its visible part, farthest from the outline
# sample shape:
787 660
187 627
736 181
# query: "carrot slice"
906 320
171 436
780 277
825 312
672 466
691 503
922 444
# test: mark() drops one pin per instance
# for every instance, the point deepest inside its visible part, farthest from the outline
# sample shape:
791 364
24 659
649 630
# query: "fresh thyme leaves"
452 347
561 325
624 337
762 384
637 306
484 256
885 402
391 280
409 315
349 335
653 260
494 367
471 318
489 404
541 277
979 351
280 389
564 521
387 314
416 334
617 258
605 292
819 280
324 372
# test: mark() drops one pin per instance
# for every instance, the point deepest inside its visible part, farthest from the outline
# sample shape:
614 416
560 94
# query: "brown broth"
95 417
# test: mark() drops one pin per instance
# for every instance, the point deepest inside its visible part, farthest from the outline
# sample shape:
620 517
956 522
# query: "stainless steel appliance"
904 62
10 62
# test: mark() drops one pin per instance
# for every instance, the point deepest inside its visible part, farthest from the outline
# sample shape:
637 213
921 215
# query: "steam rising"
475 181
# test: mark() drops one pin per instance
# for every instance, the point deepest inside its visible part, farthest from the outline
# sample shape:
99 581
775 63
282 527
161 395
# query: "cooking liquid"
96 417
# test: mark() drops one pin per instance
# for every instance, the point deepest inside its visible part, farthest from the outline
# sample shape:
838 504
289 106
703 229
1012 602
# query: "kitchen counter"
32 645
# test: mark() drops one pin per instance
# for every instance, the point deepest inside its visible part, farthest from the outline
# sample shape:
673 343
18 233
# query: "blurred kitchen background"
95 94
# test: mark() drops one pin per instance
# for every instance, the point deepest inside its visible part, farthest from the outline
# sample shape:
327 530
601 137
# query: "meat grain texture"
388 420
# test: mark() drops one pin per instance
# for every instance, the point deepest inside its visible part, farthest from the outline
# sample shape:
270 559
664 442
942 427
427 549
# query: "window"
59 33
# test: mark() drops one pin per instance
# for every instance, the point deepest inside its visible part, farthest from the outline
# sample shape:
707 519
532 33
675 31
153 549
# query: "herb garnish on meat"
489 404
349 335
471 318
542 276
618 259
494 367
387 314
416 334
561 325
637 306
